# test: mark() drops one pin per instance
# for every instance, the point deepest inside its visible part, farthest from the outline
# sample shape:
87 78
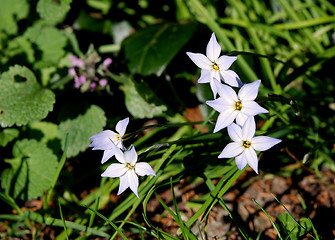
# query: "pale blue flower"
128 169
246 144
233 106
105 139
213 66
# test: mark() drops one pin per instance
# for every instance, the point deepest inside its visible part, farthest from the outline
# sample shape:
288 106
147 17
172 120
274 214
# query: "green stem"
259 47
57 173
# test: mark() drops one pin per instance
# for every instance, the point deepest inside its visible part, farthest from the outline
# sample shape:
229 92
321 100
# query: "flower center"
118 137
129 166
246 144
238 105
216 67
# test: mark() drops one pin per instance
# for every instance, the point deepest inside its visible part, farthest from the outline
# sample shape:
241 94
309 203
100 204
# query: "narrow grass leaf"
63 220
107 220
273 224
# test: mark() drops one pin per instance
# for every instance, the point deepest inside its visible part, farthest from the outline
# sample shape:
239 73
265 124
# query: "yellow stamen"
238 105
129 166
216 67
246 144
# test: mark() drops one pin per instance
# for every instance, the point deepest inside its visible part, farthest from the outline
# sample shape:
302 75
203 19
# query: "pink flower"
107 62
76 62
78 81
72 72
103 82
93 85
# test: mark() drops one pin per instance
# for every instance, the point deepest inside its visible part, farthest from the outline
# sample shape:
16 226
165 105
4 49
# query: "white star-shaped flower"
213 66
245 144
105 139
233 106
128 169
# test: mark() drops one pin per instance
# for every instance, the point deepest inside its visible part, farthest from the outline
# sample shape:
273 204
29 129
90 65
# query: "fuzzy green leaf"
31 172
49 40
8 135
12 11
53 12
81 128
150 50
22 99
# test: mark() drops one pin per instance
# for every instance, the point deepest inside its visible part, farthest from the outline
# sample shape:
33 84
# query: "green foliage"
290 229
50 40
53 12
11 12
22 99
31 170
8 135
81 128
150 50
151 79
141 101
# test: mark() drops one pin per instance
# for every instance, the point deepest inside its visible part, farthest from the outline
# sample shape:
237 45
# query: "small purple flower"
103 82
76 62
78 81
82 79
92 86
72 72
107 62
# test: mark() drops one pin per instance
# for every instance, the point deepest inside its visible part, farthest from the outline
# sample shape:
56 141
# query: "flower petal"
226 92
133 181
213 49
248 129
200 60
249 91
231 78
225 119
130 156
235 132
107 155
232 149
119 155
219 104
205 76
241 118
115 170
121 126
241 161
103 140
225 62
263 143
143 168
124 184
251 158
213 86
252 108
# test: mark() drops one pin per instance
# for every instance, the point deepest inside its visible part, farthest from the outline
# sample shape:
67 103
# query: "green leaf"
18 46
50 221
52 11
150 50
81 128
141 101
8 135
290 229
31 170
12 11
48 130
49 40
22 99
